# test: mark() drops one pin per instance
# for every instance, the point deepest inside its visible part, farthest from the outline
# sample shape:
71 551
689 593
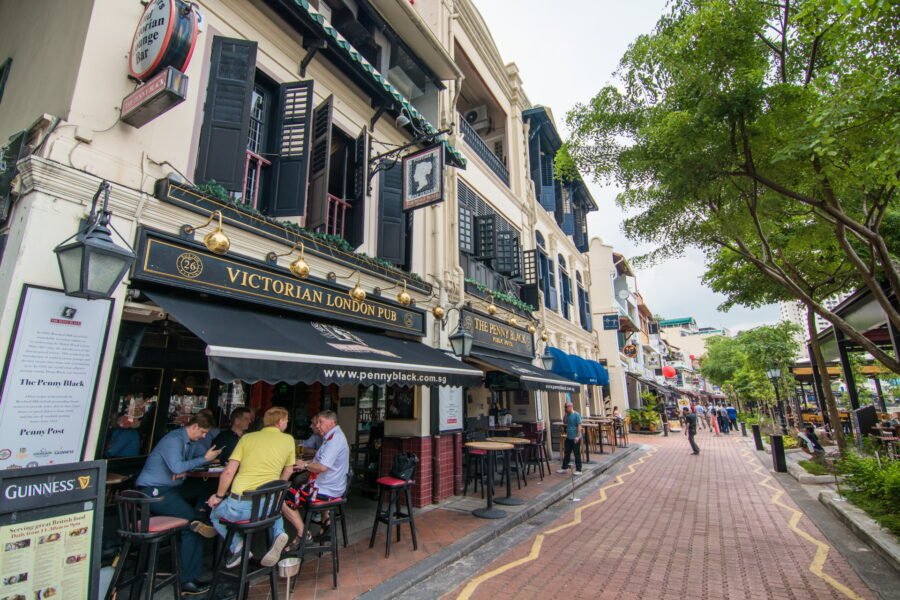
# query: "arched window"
539 240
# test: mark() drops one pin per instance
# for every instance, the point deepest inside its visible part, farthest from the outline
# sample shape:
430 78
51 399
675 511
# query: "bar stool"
607 430
475 470
621 433
146 533
537 454
394 515
328 511
265 509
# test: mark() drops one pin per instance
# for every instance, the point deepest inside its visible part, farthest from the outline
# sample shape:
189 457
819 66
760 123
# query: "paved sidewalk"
676 526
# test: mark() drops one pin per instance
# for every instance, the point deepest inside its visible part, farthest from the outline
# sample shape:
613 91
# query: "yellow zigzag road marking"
539 540
817 565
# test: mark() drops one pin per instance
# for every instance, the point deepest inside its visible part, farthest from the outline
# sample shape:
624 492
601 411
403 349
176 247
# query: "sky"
566 51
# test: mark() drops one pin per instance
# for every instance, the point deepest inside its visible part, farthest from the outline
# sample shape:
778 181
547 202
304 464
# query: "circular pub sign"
165 37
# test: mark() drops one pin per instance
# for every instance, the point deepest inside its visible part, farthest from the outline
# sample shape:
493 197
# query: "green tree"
762 132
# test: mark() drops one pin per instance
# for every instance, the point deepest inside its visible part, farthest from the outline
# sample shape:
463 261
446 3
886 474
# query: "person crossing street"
690 429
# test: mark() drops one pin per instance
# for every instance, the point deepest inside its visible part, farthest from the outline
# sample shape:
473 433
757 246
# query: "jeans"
237 510
177 501
570 446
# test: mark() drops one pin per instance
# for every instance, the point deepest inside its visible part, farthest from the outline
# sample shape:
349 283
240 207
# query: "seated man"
810 442
199 447
313 442
260 457
226 441
163 476
124 440
327 471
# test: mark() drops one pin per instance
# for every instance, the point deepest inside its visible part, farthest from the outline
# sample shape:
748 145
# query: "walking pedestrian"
572 421
690 429
732 416
702 417
714 419
722 416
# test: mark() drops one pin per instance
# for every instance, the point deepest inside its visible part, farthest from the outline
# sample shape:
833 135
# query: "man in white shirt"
327 471
700 411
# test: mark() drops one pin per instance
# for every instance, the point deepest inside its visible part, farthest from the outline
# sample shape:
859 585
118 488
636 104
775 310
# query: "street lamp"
547 359
774 375
461 341
93 265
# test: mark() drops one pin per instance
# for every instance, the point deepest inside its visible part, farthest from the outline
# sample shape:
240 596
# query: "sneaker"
578 472
271 557
562 470
234 558
204 529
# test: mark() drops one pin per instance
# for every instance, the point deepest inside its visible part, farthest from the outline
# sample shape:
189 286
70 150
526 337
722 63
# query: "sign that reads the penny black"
494 335
171 261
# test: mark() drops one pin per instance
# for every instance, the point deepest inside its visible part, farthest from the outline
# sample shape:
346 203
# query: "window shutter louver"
320 161
291 165
466 232
221 155
392 220
506 260
354 228
486 228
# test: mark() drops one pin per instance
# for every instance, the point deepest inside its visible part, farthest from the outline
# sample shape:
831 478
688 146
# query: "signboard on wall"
611 322
165 37
50 531
50 378
495 335
451 408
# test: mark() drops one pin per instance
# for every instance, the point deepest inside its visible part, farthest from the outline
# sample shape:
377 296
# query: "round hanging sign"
165 37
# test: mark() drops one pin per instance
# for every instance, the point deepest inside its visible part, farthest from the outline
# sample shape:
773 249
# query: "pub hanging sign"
165 37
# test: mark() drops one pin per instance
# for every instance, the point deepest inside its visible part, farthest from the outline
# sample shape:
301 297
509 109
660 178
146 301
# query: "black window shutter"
354 227
319 163
466 234
4 75
223 138
529 271
553 301
291 165
486 231
392 219
506 255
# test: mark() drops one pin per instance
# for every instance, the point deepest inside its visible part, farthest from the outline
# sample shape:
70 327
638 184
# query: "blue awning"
563 363
580 369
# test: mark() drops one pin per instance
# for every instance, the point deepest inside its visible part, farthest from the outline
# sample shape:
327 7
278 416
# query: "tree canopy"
764 133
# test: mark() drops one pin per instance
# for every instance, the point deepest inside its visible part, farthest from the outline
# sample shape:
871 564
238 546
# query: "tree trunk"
831 405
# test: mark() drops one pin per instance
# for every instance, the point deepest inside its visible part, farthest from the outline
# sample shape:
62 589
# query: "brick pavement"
680 527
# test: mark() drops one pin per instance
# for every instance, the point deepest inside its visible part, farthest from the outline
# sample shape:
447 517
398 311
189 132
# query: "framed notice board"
51 521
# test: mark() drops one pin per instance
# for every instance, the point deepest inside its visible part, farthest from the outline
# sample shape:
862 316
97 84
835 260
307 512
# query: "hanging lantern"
669 372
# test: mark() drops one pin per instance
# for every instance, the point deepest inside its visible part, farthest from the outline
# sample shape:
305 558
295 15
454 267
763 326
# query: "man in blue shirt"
732 416
572 421
163 476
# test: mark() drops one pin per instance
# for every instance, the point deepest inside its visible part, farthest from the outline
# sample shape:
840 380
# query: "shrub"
814 467
873 487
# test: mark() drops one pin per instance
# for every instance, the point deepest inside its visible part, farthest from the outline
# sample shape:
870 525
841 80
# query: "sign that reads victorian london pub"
494 335
171 261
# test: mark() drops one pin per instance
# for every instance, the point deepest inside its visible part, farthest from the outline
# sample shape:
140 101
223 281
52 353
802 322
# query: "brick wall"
422 490
448 475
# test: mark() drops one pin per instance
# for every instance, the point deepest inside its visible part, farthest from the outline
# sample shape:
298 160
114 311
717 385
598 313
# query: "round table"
491 448
509 500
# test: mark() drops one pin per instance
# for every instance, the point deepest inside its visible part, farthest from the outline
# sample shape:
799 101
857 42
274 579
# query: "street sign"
611 322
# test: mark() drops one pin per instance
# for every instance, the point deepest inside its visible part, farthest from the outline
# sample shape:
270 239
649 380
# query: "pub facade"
318 194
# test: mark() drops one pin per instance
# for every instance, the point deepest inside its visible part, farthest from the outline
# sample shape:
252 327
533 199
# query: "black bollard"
779 462
743 429
666 429
757 437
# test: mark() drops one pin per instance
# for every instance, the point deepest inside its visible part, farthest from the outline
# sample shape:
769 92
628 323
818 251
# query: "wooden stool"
393 515
475 468
332 511
146 533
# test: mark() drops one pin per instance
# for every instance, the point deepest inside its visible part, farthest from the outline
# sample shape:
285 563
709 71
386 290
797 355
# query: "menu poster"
451 408
48 558
50 378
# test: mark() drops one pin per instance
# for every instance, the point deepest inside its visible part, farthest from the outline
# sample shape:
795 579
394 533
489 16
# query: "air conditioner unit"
478 118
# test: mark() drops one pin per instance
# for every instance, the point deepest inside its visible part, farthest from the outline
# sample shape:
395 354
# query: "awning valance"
251 346
530 376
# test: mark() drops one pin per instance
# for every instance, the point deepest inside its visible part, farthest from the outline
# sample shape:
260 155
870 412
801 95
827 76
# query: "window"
565 288
266 144
584 304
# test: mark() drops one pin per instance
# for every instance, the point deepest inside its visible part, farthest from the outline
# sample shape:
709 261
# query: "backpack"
404 465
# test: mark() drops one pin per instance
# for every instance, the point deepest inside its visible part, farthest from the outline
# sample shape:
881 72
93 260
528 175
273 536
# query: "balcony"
336 216
481 149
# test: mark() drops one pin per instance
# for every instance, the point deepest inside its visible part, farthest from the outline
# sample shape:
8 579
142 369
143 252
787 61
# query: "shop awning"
582 370
563 364
530 376
251 346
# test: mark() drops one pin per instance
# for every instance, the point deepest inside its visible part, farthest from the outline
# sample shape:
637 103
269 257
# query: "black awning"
530 376
251 346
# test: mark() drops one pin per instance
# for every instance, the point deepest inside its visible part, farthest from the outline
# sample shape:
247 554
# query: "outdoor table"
205 473
509 500
591 428
499 429
491 448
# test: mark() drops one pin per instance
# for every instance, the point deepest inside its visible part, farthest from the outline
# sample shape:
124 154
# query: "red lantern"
669 372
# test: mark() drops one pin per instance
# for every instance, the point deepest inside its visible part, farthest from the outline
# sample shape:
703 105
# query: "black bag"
404 465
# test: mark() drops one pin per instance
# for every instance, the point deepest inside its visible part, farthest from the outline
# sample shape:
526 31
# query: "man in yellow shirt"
258 458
